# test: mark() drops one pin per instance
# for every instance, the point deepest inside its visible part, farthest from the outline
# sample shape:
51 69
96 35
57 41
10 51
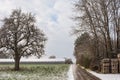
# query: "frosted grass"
37 72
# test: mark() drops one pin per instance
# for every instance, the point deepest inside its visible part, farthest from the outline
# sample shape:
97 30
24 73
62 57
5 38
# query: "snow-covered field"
32 60
106 76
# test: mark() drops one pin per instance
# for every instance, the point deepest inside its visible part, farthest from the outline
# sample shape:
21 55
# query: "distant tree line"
52 57
98 31
68 61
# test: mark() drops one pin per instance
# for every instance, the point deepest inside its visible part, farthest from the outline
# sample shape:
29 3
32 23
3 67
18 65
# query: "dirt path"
82 74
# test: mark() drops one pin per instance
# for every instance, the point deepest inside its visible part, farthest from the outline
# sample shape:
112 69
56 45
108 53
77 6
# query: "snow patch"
70 73
106 76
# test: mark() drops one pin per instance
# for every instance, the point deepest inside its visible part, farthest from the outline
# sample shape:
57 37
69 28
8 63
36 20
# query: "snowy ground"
106 76
101 76
70 73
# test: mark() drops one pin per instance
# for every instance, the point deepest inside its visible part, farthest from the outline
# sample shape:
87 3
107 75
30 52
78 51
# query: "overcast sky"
53 17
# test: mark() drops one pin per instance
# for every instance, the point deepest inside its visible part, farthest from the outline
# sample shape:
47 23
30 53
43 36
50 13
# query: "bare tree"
83 49
19 36
101 19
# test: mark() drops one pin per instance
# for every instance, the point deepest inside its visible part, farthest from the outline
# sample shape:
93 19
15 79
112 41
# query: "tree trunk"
17 61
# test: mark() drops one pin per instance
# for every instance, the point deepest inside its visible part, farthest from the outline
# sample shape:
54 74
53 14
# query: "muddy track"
82 74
